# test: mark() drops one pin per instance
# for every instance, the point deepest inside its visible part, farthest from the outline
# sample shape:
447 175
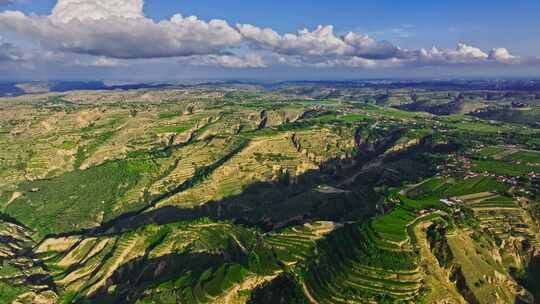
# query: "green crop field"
393 226
503 168
526 156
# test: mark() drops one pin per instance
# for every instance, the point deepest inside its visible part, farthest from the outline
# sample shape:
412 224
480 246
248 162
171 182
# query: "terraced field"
483 253
502 217
392 229
477 267
376 261
261 160
92 267
297 244
352 267
247 196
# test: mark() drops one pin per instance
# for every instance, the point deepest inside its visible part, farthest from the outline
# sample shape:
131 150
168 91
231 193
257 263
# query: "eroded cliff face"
479 268
20 269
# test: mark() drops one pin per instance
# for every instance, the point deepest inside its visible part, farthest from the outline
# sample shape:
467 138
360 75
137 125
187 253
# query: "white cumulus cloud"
463 53
68 10
502 55
118 29
112 33
322 41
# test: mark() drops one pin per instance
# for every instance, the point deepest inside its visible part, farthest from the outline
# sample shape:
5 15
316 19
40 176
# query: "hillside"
231 195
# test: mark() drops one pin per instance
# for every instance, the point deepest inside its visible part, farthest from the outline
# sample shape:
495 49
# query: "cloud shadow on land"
271 205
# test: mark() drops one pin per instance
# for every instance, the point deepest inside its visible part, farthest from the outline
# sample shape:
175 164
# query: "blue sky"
484 22
443 23
411 25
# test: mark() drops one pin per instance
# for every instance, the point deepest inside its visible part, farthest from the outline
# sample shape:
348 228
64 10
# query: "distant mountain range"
19 88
